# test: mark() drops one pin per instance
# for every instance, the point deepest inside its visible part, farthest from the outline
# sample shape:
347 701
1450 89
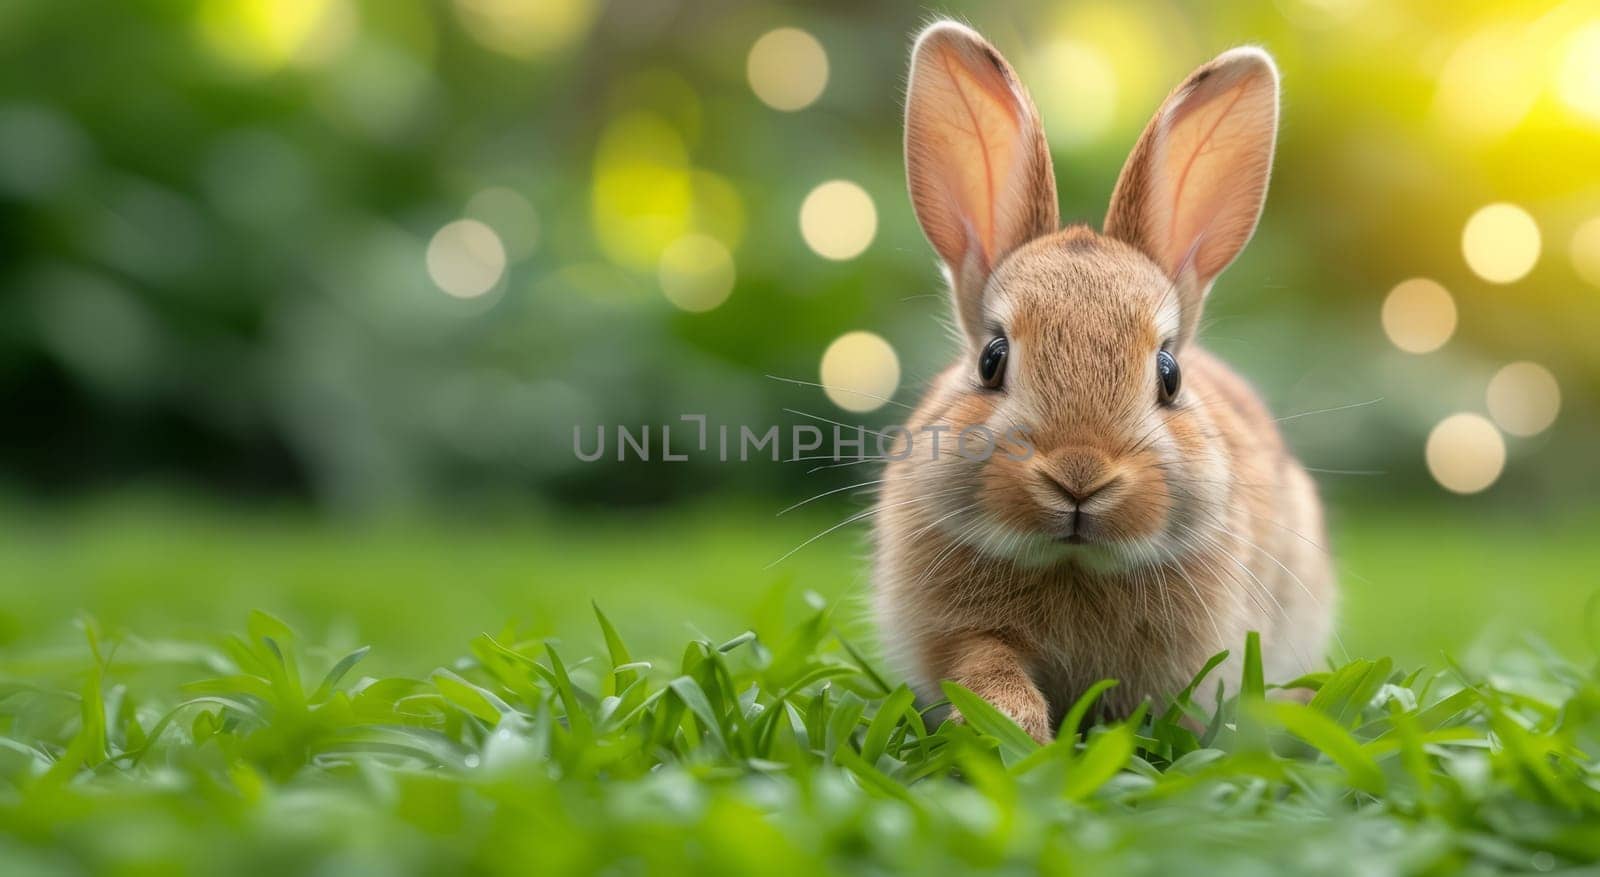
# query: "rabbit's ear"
1192 190
976 160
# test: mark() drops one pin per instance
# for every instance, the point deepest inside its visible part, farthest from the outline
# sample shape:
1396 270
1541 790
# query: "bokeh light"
696 273
510 215
380 91
1524 398
466 258
151 232
788 69
838 220
1076 91
1578 83
264 36
860 372
1419 315
643 190
718 207
1501 243
525 29
1586 251
1465 453
256 177
41 150
98 329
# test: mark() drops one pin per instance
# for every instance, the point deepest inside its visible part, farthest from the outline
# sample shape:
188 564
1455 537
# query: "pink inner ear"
1213 155
963 127
976 161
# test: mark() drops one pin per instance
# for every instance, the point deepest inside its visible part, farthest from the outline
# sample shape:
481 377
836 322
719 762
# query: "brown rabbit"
1135 516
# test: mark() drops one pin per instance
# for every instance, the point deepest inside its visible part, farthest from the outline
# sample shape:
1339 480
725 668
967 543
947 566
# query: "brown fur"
1200 525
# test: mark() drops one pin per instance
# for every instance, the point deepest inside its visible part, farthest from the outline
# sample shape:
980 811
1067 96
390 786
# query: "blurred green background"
302 300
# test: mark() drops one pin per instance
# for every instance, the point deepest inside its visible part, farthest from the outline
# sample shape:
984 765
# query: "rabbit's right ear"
976 160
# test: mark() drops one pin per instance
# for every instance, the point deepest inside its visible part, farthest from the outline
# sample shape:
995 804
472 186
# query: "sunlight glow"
1490 83
1320 13
1501 243
1465 453
1586 251
1524 398
1079 102
1419 315
838 220
860 372
1578 83
788 69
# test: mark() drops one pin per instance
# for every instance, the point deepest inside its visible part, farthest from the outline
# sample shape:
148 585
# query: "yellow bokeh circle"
1524 398
787 69
1501 243
860 371
1465 453
1419 315
466 258
696 273
838 220
526 28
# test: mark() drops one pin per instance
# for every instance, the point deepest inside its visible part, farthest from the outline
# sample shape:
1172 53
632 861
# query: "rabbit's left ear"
1192 190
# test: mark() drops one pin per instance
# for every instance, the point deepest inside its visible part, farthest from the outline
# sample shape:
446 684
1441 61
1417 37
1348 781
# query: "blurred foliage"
214 215
777 751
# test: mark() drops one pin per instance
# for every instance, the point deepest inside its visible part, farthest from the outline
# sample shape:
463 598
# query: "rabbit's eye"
992 362
1168 376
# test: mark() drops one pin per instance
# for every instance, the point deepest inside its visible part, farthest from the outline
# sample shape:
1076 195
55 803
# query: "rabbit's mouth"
1092 541
1078 527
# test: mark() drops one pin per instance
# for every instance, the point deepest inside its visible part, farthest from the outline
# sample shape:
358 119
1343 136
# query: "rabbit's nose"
1079 495
1078 474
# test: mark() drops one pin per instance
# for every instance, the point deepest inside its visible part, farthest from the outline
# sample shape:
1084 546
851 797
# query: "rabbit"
1141 512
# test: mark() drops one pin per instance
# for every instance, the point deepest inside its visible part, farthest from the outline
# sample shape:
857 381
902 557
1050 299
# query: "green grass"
1416 580
776 751
139 738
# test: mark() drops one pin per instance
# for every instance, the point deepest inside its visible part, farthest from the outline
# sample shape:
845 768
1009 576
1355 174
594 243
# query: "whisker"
1211 617
1301 414
829 493
1298 581
1217 522
847 521
801 383
834 422
845 463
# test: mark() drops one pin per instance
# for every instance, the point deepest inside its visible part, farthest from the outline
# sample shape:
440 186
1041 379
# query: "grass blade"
1015 744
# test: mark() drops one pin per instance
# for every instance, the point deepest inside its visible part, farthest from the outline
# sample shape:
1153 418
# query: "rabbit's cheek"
1142 502
1195 476
1006 495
